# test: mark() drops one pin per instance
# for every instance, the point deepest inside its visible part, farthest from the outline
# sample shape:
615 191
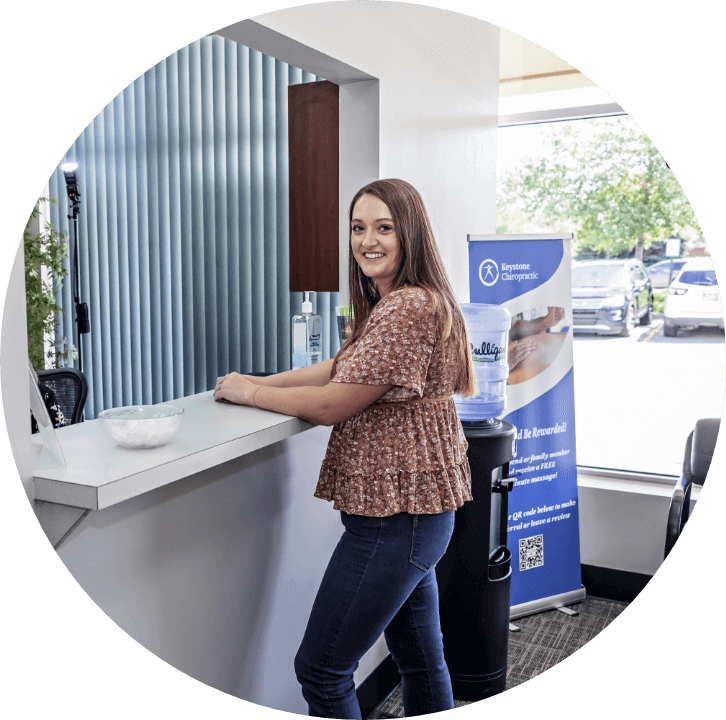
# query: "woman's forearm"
329 405
316 375
305 402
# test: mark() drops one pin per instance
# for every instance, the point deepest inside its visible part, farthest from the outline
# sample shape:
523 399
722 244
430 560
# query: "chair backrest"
71 390
700 446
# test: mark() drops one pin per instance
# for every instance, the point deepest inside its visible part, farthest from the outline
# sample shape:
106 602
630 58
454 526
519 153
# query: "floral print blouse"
407 451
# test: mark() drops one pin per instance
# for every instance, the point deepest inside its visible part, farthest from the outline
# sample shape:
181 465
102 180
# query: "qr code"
531 552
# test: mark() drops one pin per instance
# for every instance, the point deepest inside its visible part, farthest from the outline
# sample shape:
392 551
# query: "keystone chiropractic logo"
488 272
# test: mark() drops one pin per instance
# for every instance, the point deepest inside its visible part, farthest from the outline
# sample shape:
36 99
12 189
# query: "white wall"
622 523
438 73
359 157
14 371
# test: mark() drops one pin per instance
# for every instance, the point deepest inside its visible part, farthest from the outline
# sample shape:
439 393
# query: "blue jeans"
380 579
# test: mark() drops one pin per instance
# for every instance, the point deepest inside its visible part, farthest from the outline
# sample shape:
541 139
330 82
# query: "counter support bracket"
58 521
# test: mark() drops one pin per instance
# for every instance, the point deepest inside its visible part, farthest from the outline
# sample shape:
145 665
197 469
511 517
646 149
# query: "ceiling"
526 68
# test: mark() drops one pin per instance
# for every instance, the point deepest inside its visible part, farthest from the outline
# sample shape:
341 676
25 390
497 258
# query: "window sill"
629 482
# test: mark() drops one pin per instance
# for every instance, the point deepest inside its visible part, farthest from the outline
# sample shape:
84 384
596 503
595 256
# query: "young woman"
396 464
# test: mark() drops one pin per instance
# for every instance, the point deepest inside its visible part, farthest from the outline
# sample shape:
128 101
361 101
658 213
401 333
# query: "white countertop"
99 473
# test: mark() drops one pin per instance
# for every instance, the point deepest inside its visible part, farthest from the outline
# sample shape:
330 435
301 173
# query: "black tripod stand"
74 195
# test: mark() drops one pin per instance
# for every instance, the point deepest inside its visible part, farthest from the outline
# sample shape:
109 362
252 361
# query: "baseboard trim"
610 584
376 688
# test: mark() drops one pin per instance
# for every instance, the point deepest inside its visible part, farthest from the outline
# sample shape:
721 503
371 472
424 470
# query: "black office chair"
696 462
71 390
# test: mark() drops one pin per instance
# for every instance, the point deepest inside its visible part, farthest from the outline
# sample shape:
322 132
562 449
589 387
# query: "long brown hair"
421 266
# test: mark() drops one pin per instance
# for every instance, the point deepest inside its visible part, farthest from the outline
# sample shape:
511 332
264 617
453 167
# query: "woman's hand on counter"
235 388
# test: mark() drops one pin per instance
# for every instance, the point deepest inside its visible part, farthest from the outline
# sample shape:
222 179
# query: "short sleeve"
396 345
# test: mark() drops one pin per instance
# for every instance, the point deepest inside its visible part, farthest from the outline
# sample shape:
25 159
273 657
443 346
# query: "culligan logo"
488 352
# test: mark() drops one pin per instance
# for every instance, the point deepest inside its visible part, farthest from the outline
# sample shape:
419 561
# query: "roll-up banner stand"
530 275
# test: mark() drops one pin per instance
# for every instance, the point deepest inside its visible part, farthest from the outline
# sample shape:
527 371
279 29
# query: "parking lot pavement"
638 398
640 332
650 331
654 332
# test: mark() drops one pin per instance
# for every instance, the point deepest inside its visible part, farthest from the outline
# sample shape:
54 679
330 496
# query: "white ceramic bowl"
142 426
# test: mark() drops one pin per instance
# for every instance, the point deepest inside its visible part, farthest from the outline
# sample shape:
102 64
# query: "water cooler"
474 575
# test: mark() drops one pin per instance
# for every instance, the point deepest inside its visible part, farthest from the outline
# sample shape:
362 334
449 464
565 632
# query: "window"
636 398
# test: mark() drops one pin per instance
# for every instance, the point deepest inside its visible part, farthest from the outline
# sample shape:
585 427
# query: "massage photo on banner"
535 338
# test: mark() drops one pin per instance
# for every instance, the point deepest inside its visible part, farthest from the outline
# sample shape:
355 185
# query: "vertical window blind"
183 229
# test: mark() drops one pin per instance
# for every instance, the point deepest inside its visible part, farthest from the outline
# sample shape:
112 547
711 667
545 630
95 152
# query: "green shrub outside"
659 300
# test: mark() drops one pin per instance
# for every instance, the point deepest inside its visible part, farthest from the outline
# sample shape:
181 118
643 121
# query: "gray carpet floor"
543 640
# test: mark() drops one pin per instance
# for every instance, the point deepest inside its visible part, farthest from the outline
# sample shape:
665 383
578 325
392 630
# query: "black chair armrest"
678 511
705 435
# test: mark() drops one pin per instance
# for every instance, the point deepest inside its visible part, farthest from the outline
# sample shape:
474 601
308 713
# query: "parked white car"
693 298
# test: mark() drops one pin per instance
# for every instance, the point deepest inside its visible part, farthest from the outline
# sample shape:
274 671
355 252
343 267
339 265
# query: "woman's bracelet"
255 393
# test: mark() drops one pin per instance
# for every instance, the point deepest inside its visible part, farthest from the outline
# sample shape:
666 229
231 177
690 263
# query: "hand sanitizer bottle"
306 336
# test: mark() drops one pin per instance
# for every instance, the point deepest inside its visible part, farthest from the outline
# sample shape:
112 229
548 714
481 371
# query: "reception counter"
100 474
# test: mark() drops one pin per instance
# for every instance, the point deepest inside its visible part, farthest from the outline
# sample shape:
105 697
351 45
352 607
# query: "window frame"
538 117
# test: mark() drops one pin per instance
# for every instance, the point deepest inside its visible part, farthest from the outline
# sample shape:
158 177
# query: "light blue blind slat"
257 238
174 291
145 161
164 201
183 230
122 260
187 341
231 151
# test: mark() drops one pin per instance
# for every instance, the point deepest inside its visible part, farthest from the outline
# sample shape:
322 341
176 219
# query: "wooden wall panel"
313 147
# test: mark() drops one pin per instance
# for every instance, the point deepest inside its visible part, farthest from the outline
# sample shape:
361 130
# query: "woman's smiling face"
374 242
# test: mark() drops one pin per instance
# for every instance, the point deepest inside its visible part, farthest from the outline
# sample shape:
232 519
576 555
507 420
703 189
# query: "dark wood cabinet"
313 153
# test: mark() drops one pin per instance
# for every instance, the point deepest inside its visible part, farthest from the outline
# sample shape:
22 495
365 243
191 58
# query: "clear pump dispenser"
307 337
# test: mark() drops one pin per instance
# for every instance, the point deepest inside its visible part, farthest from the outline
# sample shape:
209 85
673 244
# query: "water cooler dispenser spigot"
505 483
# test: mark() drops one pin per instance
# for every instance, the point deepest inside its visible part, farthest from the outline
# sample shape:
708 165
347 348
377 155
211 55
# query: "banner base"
547 603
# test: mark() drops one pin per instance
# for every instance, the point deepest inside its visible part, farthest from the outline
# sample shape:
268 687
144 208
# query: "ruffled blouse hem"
417 493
